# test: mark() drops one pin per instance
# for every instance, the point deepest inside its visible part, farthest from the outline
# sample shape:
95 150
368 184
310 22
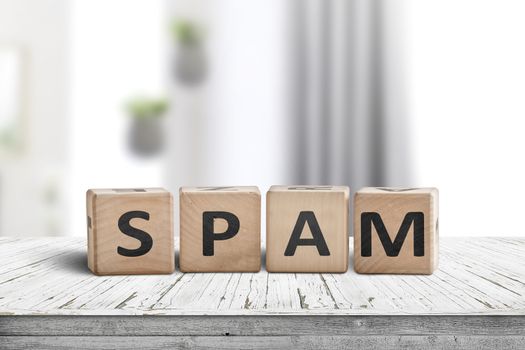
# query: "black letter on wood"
208 234
392 248
317 240
144 238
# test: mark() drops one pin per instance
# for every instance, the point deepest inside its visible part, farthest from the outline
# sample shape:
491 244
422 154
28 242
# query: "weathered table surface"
476 298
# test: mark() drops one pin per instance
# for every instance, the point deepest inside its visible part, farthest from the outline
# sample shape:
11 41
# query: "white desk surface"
49 276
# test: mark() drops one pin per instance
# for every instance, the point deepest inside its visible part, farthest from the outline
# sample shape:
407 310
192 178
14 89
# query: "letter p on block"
220 229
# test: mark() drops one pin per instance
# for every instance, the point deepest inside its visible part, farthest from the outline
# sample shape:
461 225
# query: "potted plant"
146 136
190 58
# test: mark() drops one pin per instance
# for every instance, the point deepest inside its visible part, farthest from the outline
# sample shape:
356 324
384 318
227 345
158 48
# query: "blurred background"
166 93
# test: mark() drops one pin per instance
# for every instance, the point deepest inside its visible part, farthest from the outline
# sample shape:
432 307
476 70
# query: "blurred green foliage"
186 32
146 107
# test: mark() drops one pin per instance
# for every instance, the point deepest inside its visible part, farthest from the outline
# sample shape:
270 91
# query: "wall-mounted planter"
146 136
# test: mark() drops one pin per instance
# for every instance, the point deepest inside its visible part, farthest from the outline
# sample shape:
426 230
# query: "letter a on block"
317 240
396 230
307 229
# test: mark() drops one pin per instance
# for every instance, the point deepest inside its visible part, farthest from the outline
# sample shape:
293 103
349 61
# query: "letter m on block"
392 248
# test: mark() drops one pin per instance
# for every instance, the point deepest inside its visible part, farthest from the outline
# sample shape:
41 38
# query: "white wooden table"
49 298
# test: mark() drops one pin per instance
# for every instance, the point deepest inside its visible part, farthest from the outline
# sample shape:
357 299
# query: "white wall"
85 58
242 137
33 200
233 129
467 85
249 120
118 51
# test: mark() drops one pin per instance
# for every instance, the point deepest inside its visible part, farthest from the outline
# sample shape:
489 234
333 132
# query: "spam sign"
130 231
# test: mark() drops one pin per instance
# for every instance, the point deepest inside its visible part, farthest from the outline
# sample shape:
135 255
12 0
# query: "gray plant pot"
190 65
146 136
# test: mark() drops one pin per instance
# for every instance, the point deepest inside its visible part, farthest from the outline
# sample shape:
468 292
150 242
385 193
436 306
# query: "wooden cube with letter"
130 231
220 229
307 229
396 230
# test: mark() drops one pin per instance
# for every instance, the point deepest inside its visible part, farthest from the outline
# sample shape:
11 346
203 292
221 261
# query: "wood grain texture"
328 207
265 332
261 325
269 342
104 209
49 299
393 206
241 252
49 276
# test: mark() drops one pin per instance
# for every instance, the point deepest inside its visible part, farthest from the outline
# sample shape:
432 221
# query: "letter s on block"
144 238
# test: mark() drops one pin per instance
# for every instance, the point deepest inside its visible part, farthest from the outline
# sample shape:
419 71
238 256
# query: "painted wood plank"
476 277
261 325
268 342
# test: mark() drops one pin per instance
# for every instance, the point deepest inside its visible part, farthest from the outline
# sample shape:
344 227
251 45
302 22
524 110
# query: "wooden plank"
268 342
260 325
482 276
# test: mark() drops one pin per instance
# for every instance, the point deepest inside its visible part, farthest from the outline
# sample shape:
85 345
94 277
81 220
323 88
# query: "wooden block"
307 229
130 231
220 229
396 230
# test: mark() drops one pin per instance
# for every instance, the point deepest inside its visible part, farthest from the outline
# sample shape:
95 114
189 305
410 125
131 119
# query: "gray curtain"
350 122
